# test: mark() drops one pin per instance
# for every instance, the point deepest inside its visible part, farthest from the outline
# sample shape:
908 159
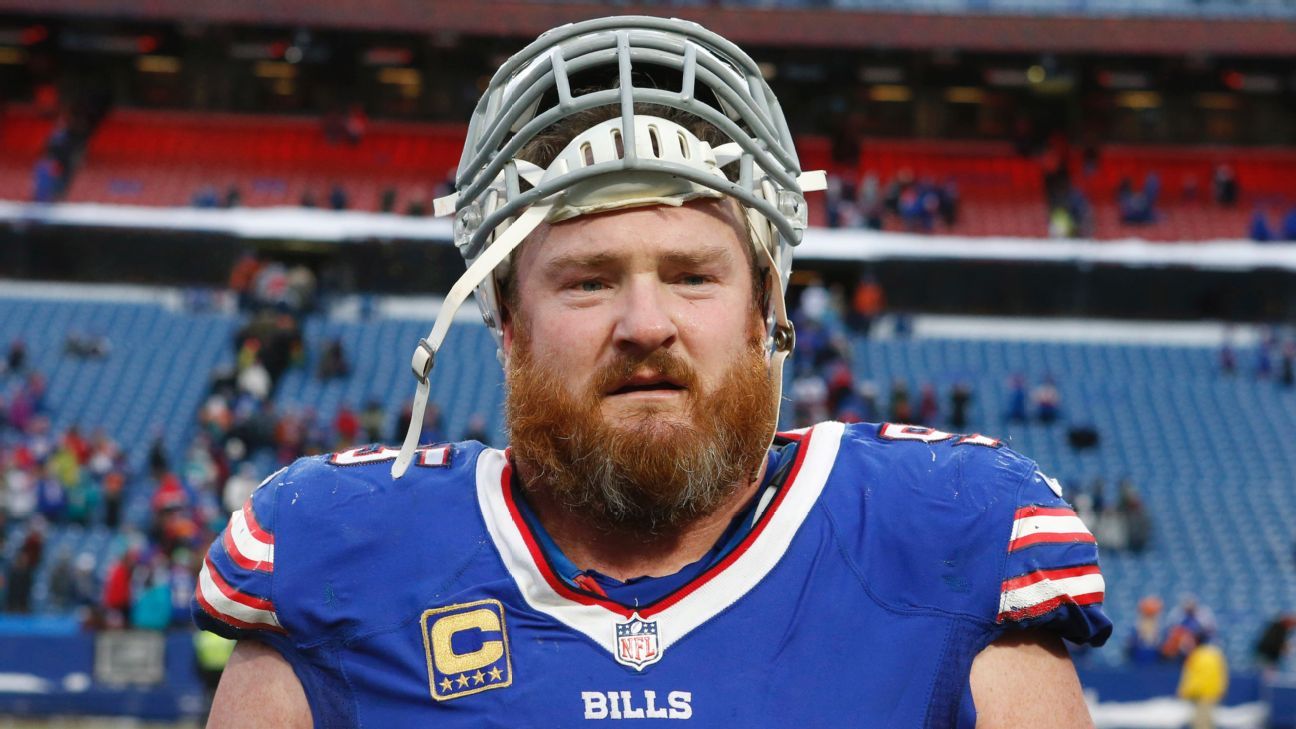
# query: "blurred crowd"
1272 358
908 203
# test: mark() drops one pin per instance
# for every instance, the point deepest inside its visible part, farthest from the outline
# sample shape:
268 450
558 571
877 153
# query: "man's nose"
644 323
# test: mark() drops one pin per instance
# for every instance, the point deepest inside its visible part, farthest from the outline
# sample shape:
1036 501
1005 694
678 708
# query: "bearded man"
648 548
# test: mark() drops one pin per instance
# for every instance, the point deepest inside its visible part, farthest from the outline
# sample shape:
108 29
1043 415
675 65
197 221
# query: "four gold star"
461 681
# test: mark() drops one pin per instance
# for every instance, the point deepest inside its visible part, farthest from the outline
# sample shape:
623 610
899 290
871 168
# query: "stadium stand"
167 159
23 132
1218 497
150 384
151 158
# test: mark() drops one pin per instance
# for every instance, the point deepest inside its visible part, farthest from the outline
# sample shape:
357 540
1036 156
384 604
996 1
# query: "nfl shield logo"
636 642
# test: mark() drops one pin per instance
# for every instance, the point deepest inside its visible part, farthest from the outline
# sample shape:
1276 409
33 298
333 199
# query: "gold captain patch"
467 649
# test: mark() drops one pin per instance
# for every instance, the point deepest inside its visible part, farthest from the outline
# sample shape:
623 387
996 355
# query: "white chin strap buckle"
423 361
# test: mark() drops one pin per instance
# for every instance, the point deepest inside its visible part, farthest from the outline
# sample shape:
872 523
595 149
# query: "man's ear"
508 331
506 340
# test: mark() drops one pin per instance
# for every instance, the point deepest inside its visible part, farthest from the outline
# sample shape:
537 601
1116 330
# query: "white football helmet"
627 161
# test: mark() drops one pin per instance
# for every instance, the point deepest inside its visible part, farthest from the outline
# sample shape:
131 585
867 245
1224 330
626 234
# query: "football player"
648 548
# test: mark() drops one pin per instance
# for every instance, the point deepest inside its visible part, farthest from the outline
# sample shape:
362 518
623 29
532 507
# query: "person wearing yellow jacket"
1204 681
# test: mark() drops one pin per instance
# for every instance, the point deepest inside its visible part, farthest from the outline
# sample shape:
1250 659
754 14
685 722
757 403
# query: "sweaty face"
638 390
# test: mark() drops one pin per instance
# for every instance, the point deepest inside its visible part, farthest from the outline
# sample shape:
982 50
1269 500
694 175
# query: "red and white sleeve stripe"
250 546
1039 592
227 604
1047 525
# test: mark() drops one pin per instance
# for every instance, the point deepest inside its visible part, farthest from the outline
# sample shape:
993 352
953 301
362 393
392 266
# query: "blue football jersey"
887 559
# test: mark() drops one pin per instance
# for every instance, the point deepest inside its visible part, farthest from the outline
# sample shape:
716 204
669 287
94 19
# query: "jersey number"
896 431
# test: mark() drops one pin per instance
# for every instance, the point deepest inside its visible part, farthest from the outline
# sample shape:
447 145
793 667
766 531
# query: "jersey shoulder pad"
933 507
233 596
964 524
1050 577
334 532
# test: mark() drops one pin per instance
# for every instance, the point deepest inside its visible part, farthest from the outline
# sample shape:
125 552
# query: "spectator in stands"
1138 524
1204 680
355 124
1188 623
809 397
387 200
928 408
1264 354
1048 401
182 581
157 456
47 181
151 604
1015 412
114 485
372 421
205 198
1225 185
242 278
433 427
254 380
1273 645
814 302
1138 207
1289 226
51 501
867 304
861 406
947 196
22 570
871 205
1227 354
20 491
62 580
233 198
896 190
85 585
86 346
476 429
169 494
417 204
22 410
18 584
1061 225
239 486
1259 230
1143 647
16 357
960 399
337 198
901 408
333 361
347 426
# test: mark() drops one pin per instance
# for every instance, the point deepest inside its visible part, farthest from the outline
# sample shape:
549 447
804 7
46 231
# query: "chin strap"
425 354
783 338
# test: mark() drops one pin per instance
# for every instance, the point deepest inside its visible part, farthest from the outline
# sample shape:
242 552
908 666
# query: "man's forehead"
695 232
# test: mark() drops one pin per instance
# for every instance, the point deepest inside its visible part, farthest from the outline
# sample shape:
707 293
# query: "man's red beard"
651 472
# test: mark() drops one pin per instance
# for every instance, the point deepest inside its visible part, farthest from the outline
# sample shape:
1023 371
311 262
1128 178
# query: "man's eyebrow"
569 261
704 256
700 257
